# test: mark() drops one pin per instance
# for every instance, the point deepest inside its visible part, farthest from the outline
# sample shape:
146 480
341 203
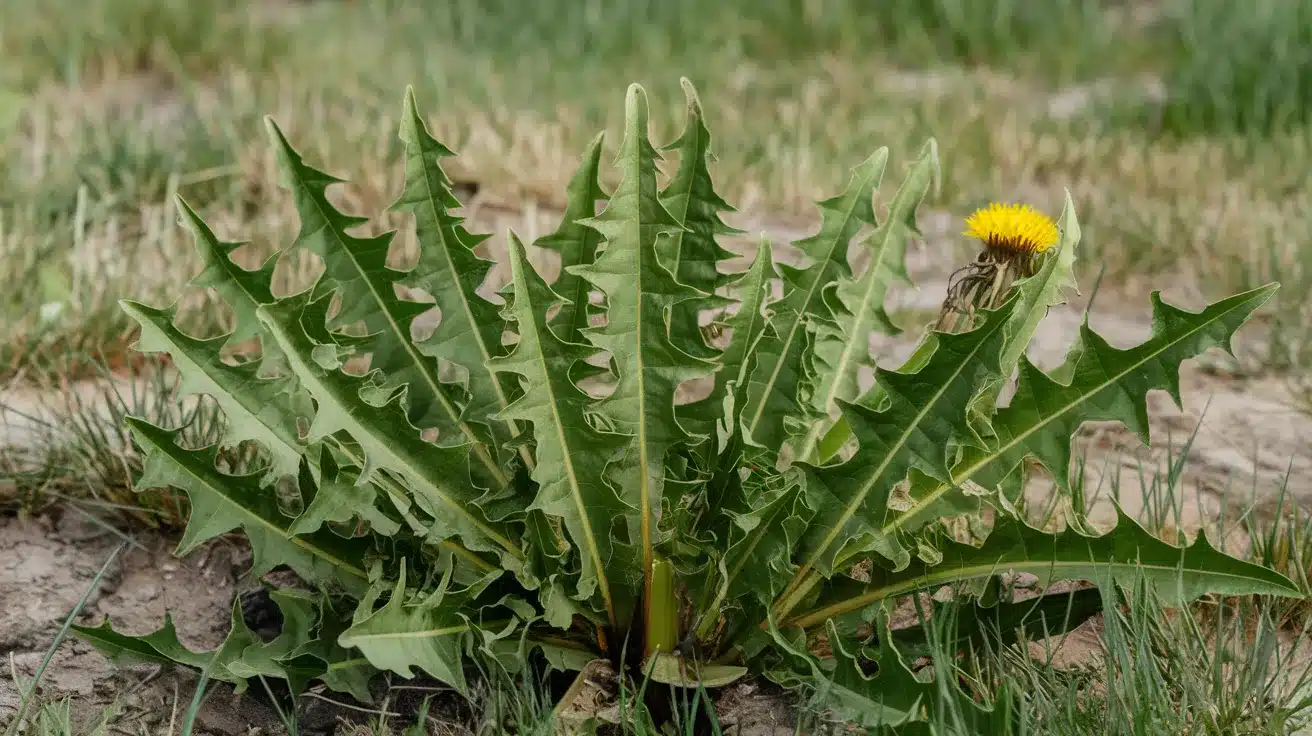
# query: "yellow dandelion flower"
1013 228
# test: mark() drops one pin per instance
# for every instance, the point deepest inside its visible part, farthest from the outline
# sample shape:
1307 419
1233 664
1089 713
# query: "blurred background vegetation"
1180 126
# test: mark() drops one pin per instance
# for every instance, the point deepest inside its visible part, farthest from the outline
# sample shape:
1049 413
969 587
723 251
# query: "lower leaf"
1178 574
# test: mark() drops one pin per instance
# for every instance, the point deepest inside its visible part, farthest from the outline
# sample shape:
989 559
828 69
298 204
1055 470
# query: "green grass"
1260 83
73 42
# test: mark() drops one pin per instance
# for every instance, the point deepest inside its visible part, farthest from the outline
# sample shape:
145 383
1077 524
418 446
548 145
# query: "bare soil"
48 563
1250 440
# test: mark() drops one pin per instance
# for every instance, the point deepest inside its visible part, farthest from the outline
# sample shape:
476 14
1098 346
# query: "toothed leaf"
356 267
1123 555
577 244
221 503
775 389
436 475
469 333
572 456
650 361
856 305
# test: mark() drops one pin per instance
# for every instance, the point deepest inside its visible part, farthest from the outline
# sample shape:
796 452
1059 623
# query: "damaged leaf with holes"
680 443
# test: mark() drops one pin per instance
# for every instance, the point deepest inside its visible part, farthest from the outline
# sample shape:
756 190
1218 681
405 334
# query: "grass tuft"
1239 68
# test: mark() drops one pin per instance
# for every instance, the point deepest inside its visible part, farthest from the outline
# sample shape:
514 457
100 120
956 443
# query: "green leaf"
691 200
748 324
357 267
577 244
774 391
1038 293
259 409
973 627
469 333
1125 554
343 670
221 503
891 697
842 344
265 410
278 658
427 631
650 361
158 647
924 415
761 538
243 290
572 455
437 475
674 670
1105 384
341 497
163 647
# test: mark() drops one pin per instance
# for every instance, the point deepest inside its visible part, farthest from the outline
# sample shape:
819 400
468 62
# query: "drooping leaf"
158 647
1125 554
221 503
469 333
357 268
437 475
162 647
856 305
572 455
279 658
427 631
694 255
577 244
891 697
1105 384
651 362
774 392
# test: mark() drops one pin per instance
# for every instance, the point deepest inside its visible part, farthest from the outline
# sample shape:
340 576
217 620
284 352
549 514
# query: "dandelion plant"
582 468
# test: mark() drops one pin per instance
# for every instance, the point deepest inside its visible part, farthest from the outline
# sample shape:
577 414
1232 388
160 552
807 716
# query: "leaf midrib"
593 551
683 216
896 449
299 541
217 373
756 535
430 376
799 314
980 570
430 201
364 426
933 496
856 335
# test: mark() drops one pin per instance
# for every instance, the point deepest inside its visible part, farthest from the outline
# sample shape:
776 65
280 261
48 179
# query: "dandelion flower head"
1013 228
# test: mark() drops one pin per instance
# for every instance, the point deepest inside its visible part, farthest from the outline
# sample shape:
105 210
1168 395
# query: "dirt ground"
1250 438
46 565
